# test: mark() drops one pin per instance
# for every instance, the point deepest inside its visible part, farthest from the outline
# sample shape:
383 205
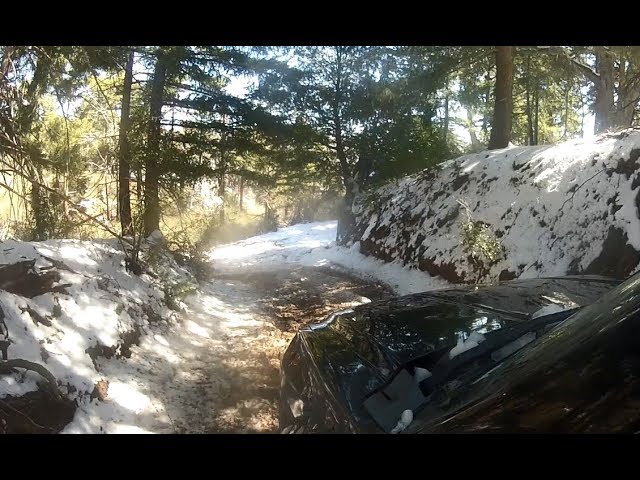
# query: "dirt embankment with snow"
569 208
71 306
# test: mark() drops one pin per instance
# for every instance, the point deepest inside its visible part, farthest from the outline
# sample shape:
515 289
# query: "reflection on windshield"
479 322
590 363
583 326
523 297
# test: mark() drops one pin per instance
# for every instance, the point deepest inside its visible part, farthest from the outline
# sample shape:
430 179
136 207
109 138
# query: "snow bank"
313 244
570 208
103 314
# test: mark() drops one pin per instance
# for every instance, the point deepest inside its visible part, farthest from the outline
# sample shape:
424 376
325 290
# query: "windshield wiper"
402 391
495 340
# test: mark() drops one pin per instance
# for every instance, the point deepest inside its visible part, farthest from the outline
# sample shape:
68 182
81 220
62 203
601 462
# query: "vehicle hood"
354 352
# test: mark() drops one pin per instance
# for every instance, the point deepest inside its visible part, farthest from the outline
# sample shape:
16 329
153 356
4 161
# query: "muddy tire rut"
296 297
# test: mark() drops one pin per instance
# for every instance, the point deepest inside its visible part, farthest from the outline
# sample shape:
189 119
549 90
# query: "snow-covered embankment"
565 209
128 363
90 311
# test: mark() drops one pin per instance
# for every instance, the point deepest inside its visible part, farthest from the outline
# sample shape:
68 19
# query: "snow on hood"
552 208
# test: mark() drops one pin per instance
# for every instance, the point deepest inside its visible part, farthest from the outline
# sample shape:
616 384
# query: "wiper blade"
493 341
386 403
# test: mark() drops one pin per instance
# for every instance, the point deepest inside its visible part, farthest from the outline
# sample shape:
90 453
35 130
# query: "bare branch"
560 51
35 367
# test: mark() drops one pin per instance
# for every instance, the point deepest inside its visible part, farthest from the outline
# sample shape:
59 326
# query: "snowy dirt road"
230 344
237 330
216 369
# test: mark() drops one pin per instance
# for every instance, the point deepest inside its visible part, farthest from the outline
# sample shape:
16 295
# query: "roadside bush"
481 244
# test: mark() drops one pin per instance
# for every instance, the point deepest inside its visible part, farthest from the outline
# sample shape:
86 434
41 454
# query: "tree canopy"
138 126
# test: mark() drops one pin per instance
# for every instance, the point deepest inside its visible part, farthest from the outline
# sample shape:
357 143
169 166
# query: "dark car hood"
356 351
524 297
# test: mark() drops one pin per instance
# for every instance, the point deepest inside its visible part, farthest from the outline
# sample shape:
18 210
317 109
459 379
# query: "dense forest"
208 239
208 144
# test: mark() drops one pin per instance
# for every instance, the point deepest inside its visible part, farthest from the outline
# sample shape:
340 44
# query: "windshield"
581 376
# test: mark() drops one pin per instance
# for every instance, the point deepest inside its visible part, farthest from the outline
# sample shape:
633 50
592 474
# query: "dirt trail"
235 334
302 295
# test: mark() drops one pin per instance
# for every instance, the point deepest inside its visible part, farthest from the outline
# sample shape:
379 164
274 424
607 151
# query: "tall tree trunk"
627 107
604 83
152 159
487 97
346 220
502 112
337 125
241 192
445 132
124 158
342 157
222 171
536 118
528 103
628 89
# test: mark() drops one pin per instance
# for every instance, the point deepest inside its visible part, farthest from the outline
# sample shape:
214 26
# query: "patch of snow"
105 302
313 244
551 207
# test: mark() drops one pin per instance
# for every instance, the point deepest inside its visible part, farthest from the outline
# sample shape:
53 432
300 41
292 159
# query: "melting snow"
154 390
550 206
313 244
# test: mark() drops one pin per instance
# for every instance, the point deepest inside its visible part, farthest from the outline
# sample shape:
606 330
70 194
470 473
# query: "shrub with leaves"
480 243
175 293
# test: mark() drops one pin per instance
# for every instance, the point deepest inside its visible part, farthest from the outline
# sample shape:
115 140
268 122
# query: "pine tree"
124 155
503 110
